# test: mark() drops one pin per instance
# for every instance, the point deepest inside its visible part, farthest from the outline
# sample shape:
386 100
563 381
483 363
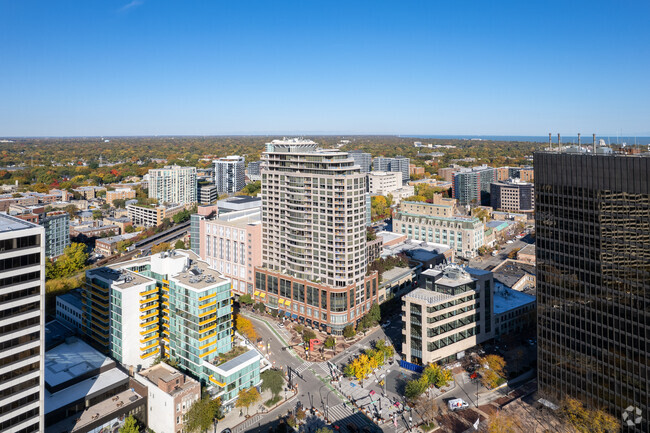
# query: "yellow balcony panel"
214 334
210 304
203 298
149 292
211 319
99 309
147 355
98 295
100 318
209 328
207 353
102 326
100 332
166 303
205 346
100 288
152 306
150 322
208 312
150 299
151 346
166 339
100 302
165 288
216 382
165 296
165 282
146 316
166 325
99 340
148 339
149 331
166 311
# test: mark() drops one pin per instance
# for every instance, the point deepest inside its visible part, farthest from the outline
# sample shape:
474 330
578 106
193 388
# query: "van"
494 253
457 404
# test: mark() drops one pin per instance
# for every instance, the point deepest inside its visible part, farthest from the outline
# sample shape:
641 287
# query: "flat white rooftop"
71 359
9 224
506 299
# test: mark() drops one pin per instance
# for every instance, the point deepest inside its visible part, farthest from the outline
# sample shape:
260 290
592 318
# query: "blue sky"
142 67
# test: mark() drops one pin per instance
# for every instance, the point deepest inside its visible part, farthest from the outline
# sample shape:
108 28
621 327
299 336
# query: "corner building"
314 236
592 215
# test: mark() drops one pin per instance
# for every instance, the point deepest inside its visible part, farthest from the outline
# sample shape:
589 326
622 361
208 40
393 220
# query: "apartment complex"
230 243
229 174
57 233
472 185
362 159
254 170
399 164
119 194
512 195
151 216
414 170
384 182
418 221
440 207
592 215
140 294
22 312
173 184
314 236
450 313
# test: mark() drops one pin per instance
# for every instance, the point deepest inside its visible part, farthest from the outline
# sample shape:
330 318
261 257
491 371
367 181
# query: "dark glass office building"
592 214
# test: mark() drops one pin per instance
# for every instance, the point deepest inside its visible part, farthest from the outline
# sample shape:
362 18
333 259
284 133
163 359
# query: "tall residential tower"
173 184
314 235
229 174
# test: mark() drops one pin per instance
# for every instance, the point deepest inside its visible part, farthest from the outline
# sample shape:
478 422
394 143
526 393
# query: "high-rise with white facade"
229 174
22 312
173 184
314 236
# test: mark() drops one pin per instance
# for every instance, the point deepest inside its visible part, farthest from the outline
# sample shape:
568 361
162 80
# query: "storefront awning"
287 313
287 303
294 316
262 295
256 293
281 302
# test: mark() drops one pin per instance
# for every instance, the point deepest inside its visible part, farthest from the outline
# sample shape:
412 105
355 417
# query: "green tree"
414 388
246 299
161 247
273 380
71 210
201 414
129 229
73 260
349 332
179 245
307 335
324 430
119 203
329 342
374 313
130 425
97 215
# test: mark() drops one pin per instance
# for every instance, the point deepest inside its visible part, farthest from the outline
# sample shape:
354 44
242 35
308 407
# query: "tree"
119 203
586 420
72 261
260 307
513 253
245 327
179 245
273 380
129 229
414 388
201 414
307 335
324 430
246 299
71 210
97 215
329 342
349 332
247 397
501 423
161 247
130 425
252 188
427 407
374 313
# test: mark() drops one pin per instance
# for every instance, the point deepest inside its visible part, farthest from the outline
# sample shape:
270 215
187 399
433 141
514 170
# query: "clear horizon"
147 68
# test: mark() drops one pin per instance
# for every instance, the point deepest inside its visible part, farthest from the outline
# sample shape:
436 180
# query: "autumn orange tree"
493 370
586 420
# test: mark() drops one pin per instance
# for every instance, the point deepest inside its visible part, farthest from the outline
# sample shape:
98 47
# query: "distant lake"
566 139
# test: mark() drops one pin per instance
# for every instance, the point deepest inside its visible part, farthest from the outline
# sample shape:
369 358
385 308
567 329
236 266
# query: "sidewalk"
233 419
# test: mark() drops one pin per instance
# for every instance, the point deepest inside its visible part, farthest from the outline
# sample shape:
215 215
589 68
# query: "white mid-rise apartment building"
229 174
173 184
22 302
384 182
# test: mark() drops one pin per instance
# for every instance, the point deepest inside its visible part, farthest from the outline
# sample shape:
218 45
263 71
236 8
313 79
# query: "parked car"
509 242
280 325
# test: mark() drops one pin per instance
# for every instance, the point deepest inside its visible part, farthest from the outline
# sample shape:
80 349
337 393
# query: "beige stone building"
450 313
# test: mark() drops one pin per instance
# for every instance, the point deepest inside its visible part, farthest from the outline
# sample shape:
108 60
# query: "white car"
509 242
280 325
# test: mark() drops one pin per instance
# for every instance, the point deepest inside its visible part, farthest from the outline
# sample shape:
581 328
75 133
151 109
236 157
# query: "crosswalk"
343 414
303 367
250 422
319 368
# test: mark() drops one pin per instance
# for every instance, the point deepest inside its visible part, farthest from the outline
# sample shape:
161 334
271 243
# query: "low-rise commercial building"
170 396
69 309
383 182
439 207
122 222
463 234
238 203
208 193
109 246
517 275
514 311
414 170
449 314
